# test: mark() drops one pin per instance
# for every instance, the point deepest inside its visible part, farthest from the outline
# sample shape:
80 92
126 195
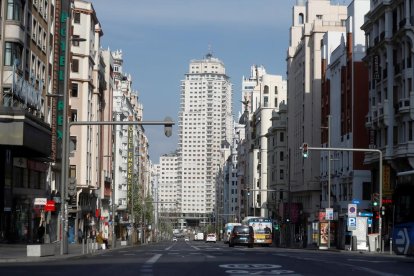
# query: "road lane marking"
154 259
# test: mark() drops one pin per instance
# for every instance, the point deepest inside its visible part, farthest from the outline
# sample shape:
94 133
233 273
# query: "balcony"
404 105
368 121
412 105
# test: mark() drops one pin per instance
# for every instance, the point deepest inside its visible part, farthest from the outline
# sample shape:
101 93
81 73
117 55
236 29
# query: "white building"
310 21
264 98
169 193
85 105
206 126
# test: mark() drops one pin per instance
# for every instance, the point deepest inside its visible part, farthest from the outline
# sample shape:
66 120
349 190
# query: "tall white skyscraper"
205 134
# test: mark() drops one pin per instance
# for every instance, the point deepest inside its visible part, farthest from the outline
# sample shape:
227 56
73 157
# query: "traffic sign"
402 241
351 223
352 210
329 214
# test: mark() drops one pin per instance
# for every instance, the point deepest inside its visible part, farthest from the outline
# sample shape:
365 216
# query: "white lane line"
195 248
154 259
168 248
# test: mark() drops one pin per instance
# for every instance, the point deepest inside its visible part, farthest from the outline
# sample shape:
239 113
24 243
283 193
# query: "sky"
158 39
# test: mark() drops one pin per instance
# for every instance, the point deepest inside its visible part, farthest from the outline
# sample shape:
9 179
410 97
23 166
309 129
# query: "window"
276 90
75 65
301 17
282 136
14 9
282 156
266 102
77 18
275 102
319 16
266 90
366 190
74 90
12 53
75 40
73 115
282 175
72 171
73 143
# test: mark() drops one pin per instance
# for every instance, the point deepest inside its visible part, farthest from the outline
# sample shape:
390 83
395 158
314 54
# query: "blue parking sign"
351 224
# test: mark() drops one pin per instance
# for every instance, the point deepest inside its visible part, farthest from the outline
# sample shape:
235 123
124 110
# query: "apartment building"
388 30
345 99
26 29
309 23
277 164
205 127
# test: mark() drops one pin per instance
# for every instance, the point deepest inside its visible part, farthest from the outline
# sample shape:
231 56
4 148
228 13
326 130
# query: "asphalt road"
198 258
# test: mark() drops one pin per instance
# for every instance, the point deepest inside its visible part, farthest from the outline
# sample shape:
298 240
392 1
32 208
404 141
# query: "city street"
199 258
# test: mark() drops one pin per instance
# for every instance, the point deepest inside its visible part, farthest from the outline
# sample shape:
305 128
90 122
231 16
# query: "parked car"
211 237
186 239
174 239
242 235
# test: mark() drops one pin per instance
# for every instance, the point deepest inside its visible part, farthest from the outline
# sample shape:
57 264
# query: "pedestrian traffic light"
382 211
305 152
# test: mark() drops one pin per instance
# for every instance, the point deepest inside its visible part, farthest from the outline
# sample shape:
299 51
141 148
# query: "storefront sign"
40 201
50 206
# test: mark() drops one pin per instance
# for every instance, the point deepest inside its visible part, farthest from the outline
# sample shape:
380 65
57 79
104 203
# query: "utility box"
373 242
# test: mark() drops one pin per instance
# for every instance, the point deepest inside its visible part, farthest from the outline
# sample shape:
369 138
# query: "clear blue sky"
160 37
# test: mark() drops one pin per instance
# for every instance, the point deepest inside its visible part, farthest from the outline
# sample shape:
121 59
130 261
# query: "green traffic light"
375 203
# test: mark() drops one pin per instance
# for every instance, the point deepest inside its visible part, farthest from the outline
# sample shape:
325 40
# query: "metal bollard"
391 246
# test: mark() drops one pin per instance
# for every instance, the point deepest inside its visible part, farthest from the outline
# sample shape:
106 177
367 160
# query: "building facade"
205 127
345 85
310 21
25 54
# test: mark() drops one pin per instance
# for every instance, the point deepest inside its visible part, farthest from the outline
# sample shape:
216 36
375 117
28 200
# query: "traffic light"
305 152
248 191
382 211
375 200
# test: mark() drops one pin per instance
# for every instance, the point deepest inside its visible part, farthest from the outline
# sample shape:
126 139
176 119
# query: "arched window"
266 89
301 18
275 90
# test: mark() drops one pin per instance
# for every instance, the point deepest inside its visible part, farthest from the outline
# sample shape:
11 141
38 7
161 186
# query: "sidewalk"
11 253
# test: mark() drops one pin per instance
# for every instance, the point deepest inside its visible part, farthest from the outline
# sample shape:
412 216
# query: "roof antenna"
210 53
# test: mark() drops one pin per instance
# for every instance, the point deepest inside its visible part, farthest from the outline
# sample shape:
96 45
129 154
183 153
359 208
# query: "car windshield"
241 230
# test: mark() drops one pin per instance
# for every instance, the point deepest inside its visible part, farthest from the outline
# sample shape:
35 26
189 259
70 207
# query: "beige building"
310 21
85 101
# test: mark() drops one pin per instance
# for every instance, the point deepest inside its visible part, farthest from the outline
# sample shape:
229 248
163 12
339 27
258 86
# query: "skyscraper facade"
205 134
